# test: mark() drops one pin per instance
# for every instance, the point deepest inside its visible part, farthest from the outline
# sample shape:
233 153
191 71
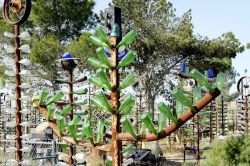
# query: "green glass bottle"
100 130
126 110
76 119
88 131
166 112
101 102
196 94
128 126
128 80
80 91
60 124
43 96
179 108
148 123
182 99
66 110
187 70
102 35
51 111
72 130
96 81
128 148
96 63
104 79
108 122
55 98
103 57
162 121
127 103
127 60
201 79
127 39
220 81
98 42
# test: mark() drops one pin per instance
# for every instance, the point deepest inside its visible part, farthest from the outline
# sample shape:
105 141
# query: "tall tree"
66 19
166 40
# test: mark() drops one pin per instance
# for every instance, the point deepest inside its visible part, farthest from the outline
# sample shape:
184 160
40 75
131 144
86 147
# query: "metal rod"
18 96
246 112
71 100
222 114
198 137
115 103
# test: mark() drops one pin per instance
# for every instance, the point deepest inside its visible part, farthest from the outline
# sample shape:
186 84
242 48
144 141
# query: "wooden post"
115 103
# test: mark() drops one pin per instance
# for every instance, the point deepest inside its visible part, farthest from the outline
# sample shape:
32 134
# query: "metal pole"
198 137
71 148
18 96
115 103
246 112
222 114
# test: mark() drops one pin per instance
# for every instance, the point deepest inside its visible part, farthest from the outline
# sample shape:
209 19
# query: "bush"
233 151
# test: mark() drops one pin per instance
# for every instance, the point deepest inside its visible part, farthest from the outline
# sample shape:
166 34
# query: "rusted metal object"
71 148
243 88
115 103
70 140
18 96
173 127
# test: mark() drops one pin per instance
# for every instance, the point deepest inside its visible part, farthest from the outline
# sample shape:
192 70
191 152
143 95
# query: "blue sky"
212 18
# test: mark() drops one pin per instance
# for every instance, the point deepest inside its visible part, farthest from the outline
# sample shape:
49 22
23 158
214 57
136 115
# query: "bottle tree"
109 100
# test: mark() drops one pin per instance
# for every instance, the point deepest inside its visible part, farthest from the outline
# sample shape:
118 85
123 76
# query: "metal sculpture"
117 107
17 12
243 87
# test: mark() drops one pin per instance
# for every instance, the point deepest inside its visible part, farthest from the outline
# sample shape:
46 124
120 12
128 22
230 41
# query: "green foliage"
233 151
3 77
82 48
45 52
165 39
65 19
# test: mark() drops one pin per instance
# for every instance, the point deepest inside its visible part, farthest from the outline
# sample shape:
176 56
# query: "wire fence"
40 153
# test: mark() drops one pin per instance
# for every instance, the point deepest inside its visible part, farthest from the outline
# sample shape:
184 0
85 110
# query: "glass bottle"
182 99
128 80
127 60
66 110
127 39
98 42
101 102
96 63
103 56
43 96
55 98
128 126
127 103
166 112
102 35
200 79
220 81
148 123
104 79
100 130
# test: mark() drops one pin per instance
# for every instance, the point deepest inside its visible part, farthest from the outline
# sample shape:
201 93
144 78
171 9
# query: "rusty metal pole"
198 137
115 103
70 80
246 113
18 96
